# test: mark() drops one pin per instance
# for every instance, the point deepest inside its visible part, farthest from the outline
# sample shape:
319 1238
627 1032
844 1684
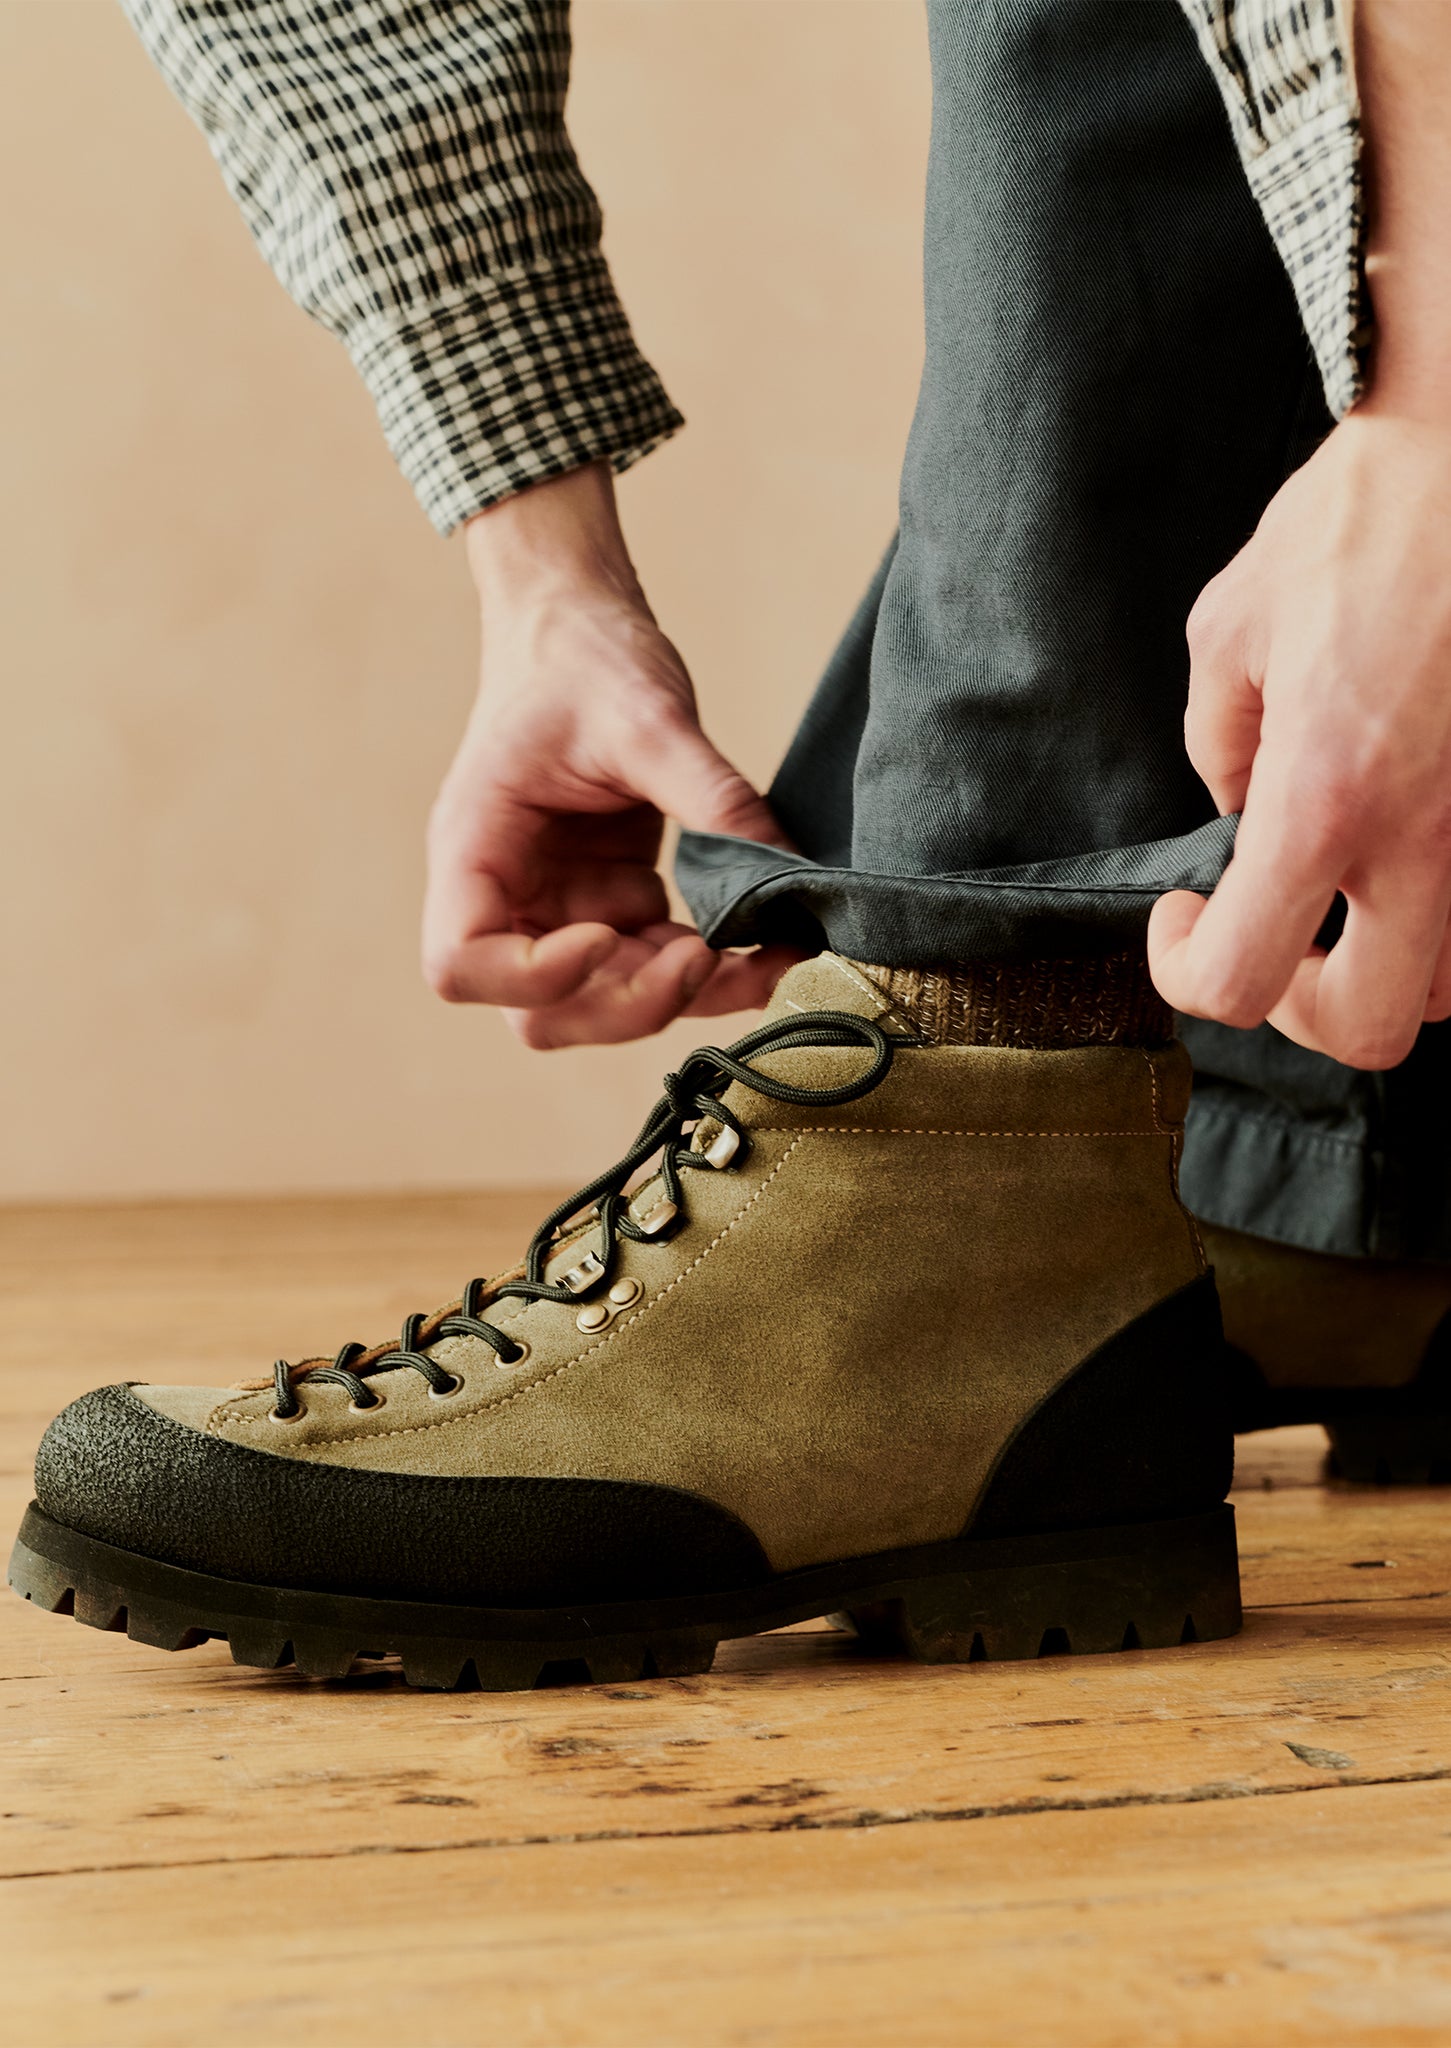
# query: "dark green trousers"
1116 383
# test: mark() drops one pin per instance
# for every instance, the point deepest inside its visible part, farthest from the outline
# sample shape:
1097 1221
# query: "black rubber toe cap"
112 1467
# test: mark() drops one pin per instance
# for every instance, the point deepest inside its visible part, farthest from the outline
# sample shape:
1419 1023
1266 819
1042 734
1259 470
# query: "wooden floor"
1244 1842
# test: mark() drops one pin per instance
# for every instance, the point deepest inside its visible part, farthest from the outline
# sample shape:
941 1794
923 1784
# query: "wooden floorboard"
1323 1919
1236 1842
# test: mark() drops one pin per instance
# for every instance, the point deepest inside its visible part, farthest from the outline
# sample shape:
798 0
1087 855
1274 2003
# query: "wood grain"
1235 1842
1299 1922
190 1760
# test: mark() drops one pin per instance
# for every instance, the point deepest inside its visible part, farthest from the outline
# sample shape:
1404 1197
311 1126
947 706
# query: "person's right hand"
544 894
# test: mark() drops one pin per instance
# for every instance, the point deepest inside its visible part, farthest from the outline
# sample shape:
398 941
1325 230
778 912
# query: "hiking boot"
919 1333
1360 1345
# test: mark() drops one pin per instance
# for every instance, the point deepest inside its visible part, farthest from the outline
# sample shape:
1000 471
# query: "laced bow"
692 1093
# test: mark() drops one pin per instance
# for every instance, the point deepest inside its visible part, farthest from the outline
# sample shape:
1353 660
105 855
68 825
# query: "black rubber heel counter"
1140 1430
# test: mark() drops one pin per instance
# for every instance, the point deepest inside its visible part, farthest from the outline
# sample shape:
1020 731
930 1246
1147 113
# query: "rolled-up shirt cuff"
1309 187
529 373
1285 73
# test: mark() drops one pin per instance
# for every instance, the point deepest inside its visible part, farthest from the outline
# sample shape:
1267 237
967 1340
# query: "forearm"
1403 61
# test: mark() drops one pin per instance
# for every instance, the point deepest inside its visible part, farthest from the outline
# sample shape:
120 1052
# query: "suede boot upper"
851 1320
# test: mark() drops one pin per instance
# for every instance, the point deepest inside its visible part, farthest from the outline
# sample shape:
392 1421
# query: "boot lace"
692 1093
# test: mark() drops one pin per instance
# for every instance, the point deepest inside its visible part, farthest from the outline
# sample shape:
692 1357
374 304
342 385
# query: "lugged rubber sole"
1391 1450
1146 1585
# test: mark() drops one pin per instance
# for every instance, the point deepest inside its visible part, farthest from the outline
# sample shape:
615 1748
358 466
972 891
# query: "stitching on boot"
1175 1134
864 985
919 1131
859 982
489 1408
1196 1241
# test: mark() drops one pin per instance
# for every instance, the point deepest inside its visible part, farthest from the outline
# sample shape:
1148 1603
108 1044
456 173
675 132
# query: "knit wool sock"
1040 1005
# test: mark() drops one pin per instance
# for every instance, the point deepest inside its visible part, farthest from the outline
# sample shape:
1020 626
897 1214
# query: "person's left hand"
1320 707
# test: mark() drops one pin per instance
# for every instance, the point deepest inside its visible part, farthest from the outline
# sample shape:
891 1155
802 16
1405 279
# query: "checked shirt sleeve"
404 168
1285 70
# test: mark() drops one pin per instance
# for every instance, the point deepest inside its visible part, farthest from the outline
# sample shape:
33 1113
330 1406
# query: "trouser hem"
1277 1178
744 894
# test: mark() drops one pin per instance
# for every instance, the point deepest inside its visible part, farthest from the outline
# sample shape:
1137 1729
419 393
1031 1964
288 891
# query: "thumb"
686 778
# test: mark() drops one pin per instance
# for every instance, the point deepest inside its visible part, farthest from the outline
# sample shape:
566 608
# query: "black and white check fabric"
404 167
1285 70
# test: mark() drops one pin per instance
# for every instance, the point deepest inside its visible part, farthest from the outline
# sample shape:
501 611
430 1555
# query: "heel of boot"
1151 1403
1391 1450
1149 1586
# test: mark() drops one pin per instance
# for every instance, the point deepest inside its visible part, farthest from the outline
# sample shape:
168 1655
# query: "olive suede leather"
853 1318
1310 1320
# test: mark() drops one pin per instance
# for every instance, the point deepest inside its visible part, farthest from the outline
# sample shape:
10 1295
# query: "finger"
1438 997
739 981
743 981
470 954
1365 1002
624 894
634 995
676 768
1223 716
1232 958
1294 1015
1171 921
512 968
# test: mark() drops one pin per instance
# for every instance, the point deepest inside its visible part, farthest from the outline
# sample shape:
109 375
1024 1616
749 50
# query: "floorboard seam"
1348 1600
1193 1795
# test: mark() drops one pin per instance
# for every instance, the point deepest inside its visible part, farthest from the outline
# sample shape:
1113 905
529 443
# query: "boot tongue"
830 983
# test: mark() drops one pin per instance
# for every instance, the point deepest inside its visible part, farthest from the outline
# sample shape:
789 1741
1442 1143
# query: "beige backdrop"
236 656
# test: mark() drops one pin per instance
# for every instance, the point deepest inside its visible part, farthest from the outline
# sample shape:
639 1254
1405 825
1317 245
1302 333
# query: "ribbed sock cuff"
1043 1005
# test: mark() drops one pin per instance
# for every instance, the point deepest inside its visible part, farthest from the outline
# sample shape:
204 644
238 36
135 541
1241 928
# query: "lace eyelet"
590 1268
722 1148
520 1353
276 1415
658 1219
367 1407
455 1386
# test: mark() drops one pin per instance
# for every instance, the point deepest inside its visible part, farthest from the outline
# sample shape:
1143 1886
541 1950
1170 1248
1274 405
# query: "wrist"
556 538
1403 71
1410 376
1400 420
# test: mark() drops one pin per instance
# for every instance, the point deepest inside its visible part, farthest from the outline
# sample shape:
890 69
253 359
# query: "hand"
543 890
1320 706
1320 678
